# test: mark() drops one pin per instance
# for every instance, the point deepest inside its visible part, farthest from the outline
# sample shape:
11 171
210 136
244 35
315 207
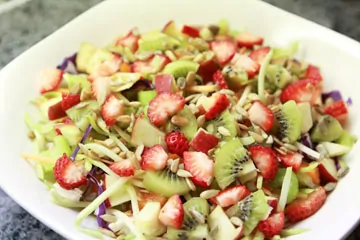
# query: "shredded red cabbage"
102 207
86 134
306 140
335 95
68 64
349 101
337 163
141 85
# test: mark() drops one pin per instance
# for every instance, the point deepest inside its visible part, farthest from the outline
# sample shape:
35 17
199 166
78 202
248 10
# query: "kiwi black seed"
288 118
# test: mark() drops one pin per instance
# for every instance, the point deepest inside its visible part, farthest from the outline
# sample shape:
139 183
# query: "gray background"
20 28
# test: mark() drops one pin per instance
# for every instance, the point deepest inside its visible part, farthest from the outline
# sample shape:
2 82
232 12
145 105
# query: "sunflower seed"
270 140
116 150
174 167
179 121
203 88
280 151
181 166
207 194
81 105
183 173
236 221
198 216
224 131
190 78
241 111
190 97
181 82
284 149
243 127
138 152
31 135
247 106
190 184
253 97
199 58
209 181
201 120
258 138
108 218
170 55
227 92
134 104
124 119
278 141
107 232
290 147
122 154
330 186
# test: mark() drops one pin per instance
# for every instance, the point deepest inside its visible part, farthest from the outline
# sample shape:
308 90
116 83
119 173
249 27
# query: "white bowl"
337 55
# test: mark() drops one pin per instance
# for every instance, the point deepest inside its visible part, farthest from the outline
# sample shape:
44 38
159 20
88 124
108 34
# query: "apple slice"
116 199
327 170
165 83
203 141
145 133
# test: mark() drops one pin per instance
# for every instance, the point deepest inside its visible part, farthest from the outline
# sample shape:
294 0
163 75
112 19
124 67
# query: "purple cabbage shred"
337 163
335 95
86 134
141 85
349 101
102 206
68 64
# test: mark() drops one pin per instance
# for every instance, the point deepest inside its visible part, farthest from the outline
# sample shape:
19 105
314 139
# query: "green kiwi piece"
346 139
288 117
156 40
294 184
83 56
278 76
251 210
232 161
145 97
181 68
190 129
196 211
296 68
199 232
227 120
165 182
327 129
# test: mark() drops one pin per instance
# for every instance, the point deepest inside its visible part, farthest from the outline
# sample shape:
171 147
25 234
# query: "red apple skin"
327 171
207 70
163 83
203 141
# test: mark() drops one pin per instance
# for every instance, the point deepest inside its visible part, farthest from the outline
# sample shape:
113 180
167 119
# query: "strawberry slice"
293 160
107 67
230 196
246 39
154 64
261 115
154 158
244 62
130 41
200 166
224 50
272 202
123 168
100 87
207 69
272 225
172 213
258 55
50 79
265 160
164 106
69 100
56 111
313 72
217 104
112 109
303 208
338 110
220 80
68 174
190 31
300 91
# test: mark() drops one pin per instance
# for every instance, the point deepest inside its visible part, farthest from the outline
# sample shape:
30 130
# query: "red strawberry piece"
313 72
272 225
176 143
265 160
230 196
273 202
220 80
203 141
100 87
164 83
123 168
111 109
164 106
56 111
327 171
154 158
300 91
130 41
51 79
172 213
219 103
200 166
259 54
244 62
293 160
68 174
246 39
224 50
190 31
261 115
107 67
207 69
151 65
69 100
303 208
338 110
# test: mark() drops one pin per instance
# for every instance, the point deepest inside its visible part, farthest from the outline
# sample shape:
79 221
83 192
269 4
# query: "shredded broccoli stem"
128 223
122 134
95 126
38 158
261 80
61 201
102 166
284 190
309 168
134 203
99 149
292 232
119 143
243 97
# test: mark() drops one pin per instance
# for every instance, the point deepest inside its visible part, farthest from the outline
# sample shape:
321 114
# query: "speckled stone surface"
22 27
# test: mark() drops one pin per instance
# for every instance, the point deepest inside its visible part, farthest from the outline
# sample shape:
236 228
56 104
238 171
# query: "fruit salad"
191 132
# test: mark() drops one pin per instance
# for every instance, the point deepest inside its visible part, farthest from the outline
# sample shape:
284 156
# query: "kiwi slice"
251 210
145 97
199 232
227 120
181 68
346 139
190 129
232 161
165 182
288 118
278 76
155 40
294 184
327 129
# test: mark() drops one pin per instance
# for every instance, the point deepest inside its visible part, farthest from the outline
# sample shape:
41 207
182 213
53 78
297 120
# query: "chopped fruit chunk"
327 170
246 63
265 160
190 31
152 65
258 55
207 69
154 158
261 115
164 83
130 41
56 111
177 143
145 197
69 175
69 100
123 168
218 103
230 196
200 167
338 110
164 106
219 79
313 72
246 39
300 91
203 141
172 213
305 207
273 202
100 87
272 225
224 50
107 67
292 160
50 79
111 109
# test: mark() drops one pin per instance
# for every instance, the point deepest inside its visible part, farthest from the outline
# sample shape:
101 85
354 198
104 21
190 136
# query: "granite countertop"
25 25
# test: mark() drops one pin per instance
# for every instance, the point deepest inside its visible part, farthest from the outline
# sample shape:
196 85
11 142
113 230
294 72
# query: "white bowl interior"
338 57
